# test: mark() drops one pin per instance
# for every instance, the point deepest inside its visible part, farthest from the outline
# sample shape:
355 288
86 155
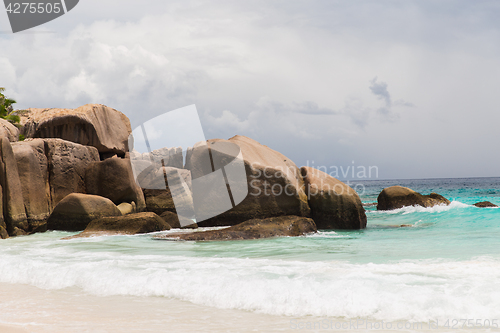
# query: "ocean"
440 271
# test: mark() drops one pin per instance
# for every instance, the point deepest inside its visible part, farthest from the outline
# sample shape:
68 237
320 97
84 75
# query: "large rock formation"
132 224
273 182
398 196
334 205
48 170
252 229
92 124
114 179
67 163
33 185
14 213
77 210
9 131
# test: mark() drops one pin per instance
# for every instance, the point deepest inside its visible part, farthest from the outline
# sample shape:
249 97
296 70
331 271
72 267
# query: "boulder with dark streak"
14 214
33 185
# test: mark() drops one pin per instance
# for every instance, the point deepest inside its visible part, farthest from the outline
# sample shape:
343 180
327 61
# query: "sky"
409 87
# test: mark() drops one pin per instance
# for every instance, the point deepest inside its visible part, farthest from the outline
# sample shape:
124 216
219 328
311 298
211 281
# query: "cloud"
380 90
293 76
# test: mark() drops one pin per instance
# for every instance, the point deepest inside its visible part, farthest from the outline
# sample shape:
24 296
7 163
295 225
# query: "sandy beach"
11 329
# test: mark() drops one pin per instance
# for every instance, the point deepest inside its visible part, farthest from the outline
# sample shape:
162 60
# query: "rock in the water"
93 125
174 221
334 205
132 224
13 203
253 229
113 178
34 186
9 131
397 197
273 182
484 204
67 162
77 210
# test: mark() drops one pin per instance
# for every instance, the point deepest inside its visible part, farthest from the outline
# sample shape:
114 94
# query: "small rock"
131 224
126 208
395 197
483 204
76 211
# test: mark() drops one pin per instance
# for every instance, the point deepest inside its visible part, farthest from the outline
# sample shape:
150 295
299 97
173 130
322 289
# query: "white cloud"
295 75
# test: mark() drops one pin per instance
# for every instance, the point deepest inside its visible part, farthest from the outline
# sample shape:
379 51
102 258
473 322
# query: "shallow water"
445 265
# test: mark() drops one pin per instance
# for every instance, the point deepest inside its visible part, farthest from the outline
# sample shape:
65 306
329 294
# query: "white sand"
11 329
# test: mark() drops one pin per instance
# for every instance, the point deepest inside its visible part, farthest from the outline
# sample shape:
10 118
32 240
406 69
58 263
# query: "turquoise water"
444 265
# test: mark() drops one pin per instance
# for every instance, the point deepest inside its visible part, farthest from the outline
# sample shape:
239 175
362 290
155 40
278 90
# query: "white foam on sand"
413 290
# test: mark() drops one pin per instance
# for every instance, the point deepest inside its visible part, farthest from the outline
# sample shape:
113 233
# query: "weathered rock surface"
38 147
9 131
252 229
397 197
157 192
13 204
3 227
484 204
113 178
334 205
274 183
77 210
93 125
33 186
67 163
132 224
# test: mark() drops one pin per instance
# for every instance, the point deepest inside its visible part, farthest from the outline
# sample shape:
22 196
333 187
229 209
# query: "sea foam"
419 209
418 290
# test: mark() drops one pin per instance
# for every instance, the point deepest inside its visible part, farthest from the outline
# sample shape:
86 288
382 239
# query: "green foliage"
21 137
6 109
